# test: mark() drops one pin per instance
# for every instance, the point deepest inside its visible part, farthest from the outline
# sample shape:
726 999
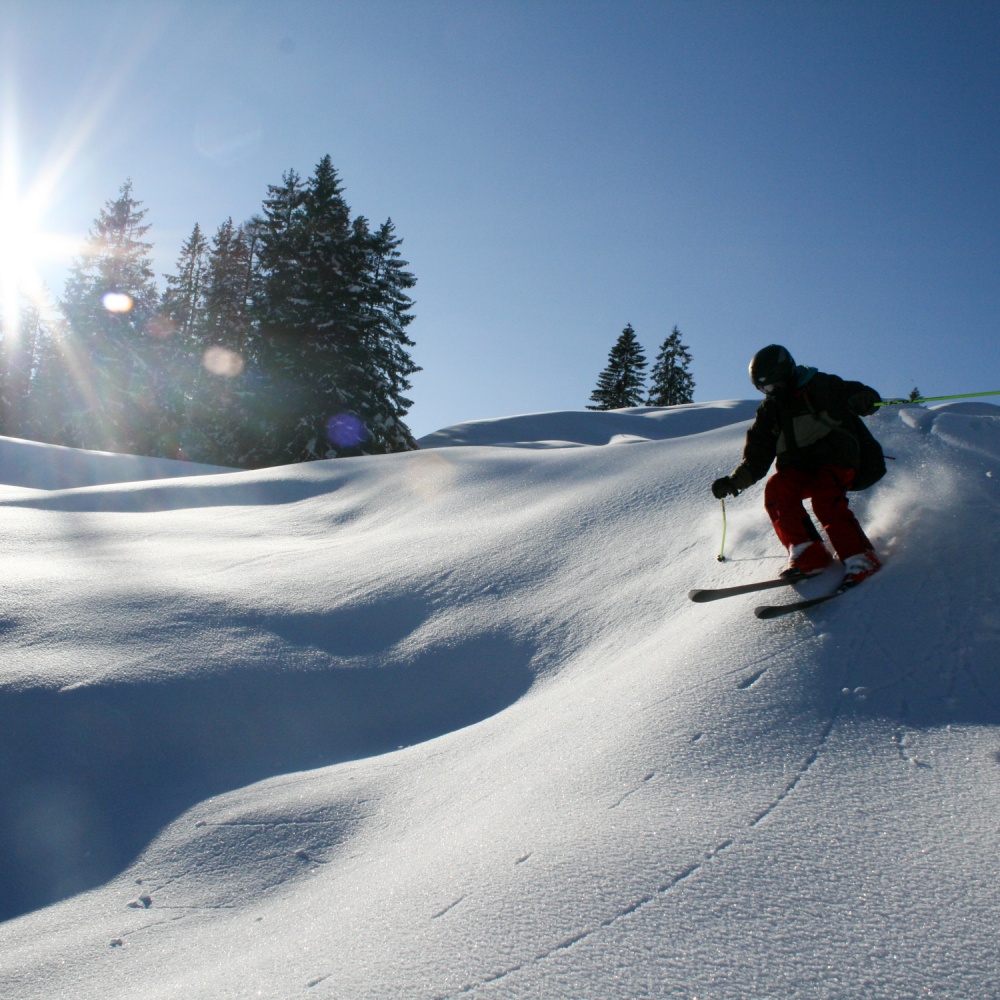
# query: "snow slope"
444 724
52 467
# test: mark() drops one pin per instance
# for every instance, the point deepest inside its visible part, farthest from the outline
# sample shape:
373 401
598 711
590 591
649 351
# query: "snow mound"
31 465
566 429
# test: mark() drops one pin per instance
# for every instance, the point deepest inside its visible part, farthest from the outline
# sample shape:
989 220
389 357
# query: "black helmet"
772 368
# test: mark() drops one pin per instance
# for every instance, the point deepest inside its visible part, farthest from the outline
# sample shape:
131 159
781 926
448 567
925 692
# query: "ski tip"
696 595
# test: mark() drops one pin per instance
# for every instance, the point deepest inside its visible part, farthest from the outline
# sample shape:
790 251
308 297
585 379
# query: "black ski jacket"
806 428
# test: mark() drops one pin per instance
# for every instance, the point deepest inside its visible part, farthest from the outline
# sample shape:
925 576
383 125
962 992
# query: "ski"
703 596
779 610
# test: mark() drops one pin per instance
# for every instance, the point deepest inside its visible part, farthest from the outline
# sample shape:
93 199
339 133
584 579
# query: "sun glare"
19 255
29 249
23 243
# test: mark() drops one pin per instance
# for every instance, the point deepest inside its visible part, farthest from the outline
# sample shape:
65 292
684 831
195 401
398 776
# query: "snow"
444 724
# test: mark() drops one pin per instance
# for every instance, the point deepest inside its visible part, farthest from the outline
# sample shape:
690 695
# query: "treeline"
622 383
281 339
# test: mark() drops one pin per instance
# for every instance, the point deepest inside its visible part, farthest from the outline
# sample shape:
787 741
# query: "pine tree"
21 346
284 341
307 314
183 302
672 382
177 330
54 383
110 302
621 383
915 394
230 287
333 313
283 238
386 361
221 427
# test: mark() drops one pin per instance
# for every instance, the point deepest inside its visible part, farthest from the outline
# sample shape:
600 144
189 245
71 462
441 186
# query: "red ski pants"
783 499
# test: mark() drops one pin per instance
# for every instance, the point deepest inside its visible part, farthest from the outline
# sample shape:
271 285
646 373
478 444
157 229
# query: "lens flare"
117 302
220 361
161 327
346 431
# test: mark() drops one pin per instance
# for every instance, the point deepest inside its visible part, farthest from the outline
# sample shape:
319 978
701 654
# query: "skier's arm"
850 398
759 451
863 402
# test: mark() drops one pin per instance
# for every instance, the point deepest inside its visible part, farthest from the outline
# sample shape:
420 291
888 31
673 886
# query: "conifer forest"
622 383
277 340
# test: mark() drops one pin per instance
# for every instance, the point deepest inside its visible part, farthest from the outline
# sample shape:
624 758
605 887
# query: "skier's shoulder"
822 386
834 389
807 377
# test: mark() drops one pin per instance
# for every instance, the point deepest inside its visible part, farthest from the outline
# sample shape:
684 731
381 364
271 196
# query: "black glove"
724 487
863 403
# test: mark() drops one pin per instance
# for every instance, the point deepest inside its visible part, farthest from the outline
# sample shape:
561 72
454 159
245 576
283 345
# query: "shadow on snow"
91 773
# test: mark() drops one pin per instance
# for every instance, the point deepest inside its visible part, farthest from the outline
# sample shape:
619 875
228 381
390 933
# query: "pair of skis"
773 610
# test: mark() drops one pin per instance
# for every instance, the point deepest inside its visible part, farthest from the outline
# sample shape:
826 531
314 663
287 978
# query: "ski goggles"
770 388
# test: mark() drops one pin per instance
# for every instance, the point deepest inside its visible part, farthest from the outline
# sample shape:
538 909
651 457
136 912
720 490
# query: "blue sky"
820 174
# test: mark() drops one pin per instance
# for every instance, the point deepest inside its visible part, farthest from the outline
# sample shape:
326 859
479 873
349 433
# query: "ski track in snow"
660 892
903 738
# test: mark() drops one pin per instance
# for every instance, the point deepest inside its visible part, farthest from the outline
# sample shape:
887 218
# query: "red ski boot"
808 559
860 567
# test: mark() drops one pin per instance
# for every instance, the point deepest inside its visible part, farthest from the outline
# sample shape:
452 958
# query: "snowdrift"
52 467
444 724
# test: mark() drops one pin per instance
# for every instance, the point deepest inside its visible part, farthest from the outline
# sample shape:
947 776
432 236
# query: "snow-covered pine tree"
309 314
178 329
183 302
221 427
110 301
385 358
671 380
333 313
622 381
282 239
230 288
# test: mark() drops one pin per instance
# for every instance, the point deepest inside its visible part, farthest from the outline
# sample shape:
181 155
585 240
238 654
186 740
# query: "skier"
804 422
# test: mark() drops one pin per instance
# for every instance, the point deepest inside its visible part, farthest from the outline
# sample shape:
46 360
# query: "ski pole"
722 550
936 399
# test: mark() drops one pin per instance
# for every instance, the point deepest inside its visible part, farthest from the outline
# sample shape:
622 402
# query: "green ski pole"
722 550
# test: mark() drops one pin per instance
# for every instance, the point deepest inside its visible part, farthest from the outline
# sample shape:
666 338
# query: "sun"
23 242
27 247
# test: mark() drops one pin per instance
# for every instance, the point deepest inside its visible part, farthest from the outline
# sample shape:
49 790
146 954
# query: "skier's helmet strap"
771 368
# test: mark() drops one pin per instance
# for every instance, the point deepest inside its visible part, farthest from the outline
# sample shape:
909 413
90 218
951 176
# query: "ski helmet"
771 368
